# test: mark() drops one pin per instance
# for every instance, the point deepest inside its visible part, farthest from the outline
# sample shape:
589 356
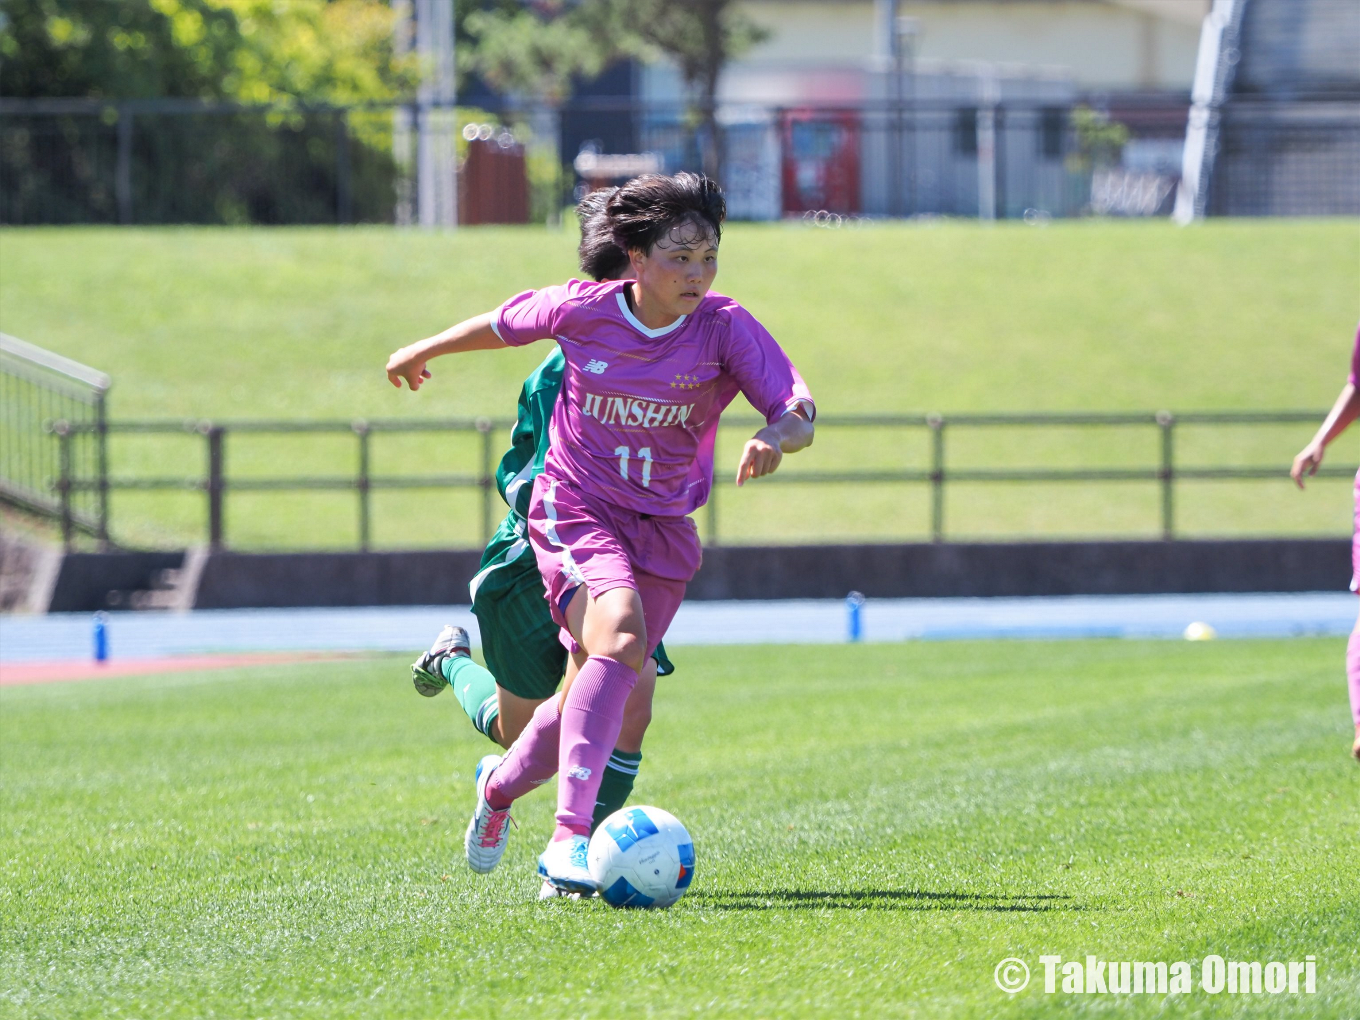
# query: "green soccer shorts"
519 638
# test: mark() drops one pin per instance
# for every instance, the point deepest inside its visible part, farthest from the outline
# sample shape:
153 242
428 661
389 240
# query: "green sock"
616 784
475 688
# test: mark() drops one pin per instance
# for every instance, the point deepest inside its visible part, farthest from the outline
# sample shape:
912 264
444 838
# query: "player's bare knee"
629 649
614 627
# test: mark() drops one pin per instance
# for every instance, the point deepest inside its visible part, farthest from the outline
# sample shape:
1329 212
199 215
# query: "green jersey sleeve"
529 439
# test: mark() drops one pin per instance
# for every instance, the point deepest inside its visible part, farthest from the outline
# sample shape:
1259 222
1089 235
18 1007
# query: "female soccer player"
1344 411
525 660
651 364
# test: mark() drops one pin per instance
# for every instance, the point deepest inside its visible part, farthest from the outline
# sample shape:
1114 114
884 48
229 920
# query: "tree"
537 55
254 51
288 166
538 50
702 37
95 49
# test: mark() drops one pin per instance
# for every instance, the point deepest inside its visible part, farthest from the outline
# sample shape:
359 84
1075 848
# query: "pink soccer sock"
1353 673
592 716
531 760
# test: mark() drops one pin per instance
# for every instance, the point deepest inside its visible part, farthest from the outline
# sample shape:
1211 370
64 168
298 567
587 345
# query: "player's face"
678 271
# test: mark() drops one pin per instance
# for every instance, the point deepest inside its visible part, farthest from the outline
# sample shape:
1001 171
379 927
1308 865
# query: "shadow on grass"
879 899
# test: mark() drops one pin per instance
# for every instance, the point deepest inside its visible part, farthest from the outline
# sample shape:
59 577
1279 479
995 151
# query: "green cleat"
427 672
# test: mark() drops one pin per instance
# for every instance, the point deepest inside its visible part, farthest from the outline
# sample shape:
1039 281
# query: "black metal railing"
1165 473
216 483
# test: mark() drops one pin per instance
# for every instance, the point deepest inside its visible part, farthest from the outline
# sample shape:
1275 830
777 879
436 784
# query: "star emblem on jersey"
596 366
685 381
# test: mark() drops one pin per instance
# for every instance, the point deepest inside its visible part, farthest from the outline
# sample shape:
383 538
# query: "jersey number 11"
645 454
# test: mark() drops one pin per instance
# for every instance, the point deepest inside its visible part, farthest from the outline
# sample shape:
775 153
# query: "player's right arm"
475 334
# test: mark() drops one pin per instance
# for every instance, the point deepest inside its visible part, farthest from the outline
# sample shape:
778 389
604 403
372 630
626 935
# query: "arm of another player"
1343 412
765 450
475 334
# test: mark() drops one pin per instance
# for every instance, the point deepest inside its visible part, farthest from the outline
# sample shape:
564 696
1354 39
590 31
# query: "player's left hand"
759 457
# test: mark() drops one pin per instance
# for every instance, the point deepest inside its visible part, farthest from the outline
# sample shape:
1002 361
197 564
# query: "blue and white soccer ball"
641 857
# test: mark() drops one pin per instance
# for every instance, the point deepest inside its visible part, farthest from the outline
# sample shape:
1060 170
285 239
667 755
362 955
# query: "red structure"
493 183
820 161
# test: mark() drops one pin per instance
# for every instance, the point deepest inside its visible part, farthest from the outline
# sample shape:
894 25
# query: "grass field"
877 827
953 317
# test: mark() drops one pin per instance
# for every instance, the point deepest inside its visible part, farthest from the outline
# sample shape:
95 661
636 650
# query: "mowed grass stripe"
876 826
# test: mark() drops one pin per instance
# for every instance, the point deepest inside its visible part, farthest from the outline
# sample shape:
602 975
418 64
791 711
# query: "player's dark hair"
655 207
600 257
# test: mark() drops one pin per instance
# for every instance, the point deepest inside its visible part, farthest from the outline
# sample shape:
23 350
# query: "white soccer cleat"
489 829
548 891
563 865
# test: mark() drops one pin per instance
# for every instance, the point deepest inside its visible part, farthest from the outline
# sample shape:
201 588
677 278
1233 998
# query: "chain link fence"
1287 159
159 162
180 161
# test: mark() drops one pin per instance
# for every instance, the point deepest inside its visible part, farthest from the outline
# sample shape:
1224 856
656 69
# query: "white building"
825 49
985 85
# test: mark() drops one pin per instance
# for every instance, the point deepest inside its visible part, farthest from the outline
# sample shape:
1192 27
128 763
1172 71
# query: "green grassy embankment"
892 318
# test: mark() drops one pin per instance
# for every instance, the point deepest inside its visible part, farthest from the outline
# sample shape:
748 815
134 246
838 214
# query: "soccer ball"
641 857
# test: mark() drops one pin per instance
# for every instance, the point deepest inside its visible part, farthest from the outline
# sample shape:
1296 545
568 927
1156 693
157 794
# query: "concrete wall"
439 577
278 580
84 580
1039 568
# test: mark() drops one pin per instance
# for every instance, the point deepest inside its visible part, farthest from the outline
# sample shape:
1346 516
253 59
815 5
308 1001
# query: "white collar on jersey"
633 319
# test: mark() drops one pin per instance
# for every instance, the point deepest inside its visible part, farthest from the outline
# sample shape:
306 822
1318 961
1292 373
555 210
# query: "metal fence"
214 481
43 397
882 159
181 161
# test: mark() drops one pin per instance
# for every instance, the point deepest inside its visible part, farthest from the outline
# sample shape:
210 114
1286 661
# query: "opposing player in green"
524 654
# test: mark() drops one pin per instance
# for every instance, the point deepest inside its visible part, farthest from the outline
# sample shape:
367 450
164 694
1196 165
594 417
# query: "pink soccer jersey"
638 415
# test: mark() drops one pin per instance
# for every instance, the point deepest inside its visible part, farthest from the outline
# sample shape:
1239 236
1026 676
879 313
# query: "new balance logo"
596 366
578 772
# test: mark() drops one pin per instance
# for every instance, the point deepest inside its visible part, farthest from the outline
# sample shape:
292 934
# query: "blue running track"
68 636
